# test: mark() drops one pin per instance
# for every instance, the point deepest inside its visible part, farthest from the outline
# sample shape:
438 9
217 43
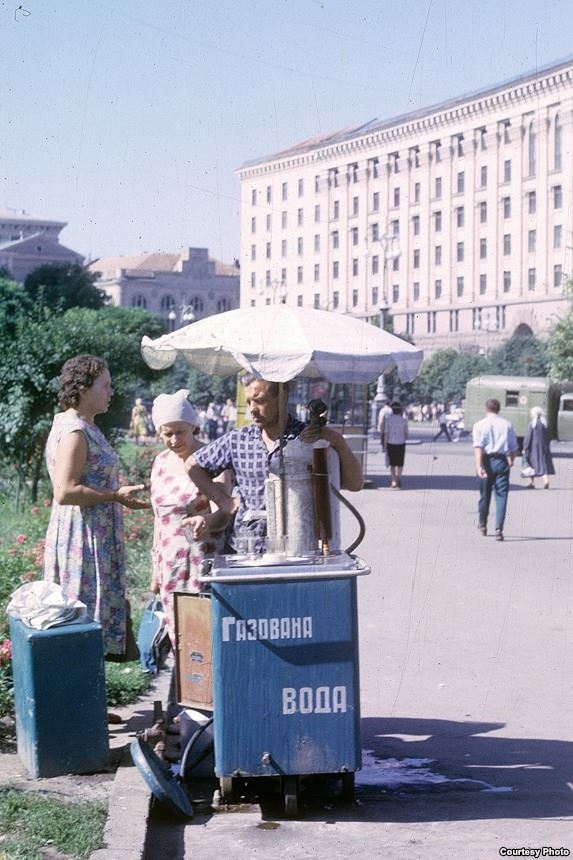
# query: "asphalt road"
466 663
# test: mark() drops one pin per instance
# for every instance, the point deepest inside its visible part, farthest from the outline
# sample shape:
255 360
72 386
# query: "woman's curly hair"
77 374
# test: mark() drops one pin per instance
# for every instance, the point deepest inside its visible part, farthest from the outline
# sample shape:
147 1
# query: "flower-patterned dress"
84 550
176 562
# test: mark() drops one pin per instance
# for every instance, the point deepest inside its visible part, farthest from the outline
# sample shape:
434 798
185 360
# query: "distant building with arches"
180 288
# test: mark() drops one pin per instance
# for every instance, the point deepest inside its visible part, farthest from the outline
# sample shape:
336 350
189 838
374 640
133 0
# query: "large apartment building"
456 219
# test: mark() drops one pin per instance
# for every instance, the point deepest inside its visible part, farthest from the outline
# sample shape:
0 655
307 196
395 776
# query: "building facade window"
335 299
482 284
253 225
557 275
395 293
299 277
557 236
355 267
507 170
416 291
300 187
438 255
531 202
336 210
506 282
416 225
354 298
317 242
461 182
507 244
531 241
284 191
396 196
437 222
557 197
460 286
438 188
438 288
335 239
317 213
300 217
531 151
483 212
375 264
557 143
416 192
531 279
460 252
335 269
483 249
506 203
416 261
460 216
317 271
483 176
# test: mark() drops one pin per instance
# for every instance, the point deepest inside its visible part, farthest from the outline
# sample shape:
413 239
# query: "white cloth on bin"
42 605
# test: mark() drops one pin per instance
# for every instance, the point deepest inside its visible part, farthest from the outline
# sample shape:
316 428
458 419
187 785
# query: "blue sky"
128 119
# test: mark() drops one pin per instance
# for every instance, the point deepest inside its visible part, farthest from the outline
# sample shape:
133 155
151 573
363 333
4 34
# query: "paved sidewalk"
466 686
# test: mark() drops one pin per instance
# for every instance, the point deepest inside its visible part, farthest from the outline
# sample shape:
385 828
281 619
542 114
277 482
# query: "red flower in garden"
20 538
5 651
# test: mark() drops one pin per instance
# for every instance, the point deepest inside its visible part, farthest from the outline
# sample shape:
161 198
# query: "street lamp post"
486 321
390 252
186 316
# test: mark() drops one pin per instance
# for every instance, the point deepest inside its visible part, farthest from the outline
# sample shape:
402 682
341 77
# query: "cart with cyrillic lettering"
286 697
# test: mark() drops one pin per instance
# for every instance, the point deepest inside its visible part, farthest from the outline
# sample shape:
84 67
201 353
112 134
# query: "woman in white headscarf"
536 448
186 529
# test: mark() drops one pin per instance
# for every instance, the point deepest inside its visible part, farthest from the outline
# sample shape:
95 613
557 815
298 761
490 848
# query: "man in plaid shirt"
248 452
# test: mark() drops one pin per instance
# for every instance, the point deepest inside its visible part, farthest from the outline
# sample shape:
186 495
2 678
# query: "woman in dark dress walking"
536 448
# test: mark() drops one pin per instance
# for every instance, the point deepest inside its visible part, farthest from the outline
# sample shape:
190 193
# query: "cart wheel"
290 792
348 786
227 786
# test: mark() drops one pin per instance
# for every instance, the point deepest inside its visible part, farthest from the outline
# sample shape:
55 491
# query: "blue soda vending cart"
286 690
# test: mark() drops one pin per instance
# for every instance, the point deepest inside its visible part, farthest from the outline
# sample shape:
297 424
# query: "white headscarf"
537 414
168 408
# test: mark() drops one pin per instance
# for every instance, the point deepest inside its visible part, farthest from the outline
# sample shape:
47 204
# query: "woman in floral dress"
186 529
84 550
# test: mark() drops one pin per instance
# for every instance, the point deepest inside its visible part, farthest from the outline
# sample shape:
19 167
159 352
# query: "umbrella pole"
282 469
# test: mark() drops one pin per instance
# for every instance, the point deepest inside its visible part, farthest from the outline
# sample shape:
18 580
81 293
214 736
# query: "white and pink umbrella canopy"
279 343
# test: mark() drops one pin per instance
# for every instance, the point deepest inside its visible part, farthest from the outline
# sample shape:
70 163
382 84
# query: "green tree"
33 359
428 385
520 355
560 347
61 286
464 366
14 301
203 388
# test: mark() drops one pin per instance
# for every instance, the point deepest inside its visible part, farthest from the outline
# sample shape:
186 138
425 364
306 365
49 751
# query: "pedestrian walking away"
536 448
395 435
495 448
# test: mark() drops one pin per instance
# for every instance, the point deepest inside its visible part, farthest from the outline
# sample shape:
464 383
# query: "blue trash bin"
60 698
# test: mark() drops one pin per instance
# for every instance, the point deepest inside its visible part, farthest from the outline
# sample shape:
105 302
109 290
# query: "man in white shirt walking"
495 448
